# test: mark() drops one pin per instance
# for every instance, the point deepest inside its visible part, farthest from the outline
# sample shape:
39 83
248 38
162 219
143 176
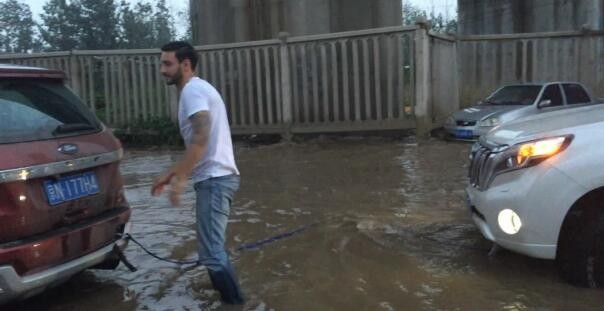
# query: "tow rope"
195 263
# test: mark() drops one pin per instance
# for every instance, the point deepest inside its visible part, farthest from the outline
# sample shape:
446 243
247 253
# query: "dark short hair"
183 50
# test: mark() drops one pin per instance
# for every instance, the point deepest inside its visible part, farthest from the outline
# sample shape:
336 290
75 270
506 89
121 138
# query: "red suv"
62 204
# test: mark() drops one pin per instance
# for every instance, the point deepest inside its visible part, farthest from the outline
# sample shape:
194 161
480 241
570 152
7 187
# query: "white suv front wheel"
580 253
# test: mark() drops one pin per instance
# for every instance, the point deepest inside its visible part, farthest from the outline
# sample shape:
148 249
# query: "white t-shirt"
199 95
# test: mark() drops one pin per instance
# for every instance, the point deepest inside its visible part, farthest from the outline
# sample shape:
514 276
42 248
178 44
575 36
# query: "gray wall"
226 21
478 17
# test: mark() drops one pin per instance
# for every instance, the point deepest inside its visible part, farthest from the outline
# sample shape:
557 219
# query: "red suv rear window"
38 109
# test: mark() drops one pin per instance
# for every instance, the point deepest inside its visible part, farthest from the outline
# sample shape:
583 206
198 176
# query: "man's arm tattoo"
200 123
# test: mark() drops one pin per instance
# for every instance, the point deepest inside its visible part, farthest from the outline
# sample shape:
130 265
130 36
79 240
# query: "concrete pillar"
543 12
348 15
465 17
211 21
423 101
276 17
389 13
286 86
510 16
296 17
194 16
74 74
308 17
565 16
241 20
482 18
519 16
601 15
318 18
595 14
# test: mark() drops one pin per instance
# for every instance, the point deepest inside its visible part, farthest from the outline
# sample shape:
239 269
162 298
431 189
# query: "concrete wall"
225 21
478 17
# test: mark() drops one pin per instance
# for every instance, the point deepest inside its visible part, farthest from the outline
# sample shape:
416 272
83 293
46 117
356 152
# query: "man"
208 160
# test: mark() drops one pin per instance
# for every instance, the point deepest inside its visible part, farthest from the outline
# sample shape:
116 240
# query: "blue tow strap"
257 244
248 246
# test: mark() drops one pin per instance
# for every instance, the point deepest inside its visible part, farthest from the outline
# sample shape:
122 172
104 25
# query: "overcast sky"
447 7
37 5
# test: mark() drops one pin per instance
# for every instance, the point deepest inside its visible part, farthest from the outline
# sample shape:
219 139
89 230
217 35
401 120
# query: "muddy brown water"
391 233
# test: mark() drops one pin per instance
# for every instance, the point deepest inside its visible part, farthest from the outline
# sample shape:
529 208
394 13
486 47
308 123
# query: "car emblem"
68 148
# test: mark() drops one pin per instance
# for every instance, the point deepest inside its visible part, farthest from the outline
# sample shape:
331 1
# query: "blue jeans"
213 203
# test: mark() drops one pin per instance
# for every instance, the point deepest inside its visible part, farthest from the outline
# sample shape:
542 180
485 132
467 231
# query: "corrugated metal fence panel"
347 82
131 89
485 64
360 80
120 89
248 80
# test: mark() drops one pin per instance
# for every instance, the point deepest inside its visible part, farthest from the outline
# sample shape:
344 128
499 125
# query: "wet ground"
389 232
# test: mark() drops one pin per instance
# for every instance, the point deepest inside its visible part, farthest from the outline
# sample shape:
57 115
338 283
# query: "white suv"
537 188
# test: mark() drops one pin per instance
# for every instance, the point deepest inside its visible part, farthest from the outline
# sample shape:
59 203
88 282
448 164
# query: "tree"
16 27
98 24
102 24
437 22
136 26
163 23
59 27
184 16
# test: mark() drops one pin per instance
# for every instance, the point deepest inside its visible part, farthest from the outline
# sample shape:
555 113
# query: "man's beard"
174 79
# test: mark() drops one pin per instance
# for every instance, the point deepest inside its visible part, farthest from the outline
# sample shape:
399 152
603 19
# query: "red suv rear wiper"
74 127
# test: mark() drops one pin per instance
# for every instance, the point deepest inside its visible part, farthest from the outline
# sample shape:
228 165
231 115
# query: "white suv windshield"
33 109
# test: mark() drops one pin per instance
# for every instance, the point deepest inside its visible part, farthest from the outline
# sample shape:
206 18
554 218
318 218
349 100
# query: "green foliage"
437 23
80 24
136 26
104 24
16 27
145 26
60 29
156 131
98 24
163 23
184 17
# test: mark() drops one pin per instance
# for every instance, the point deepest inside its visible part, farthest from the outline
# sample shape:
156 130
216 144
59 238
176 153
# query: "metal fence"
347 81
248 77
486 62
387 78
362 80
122 87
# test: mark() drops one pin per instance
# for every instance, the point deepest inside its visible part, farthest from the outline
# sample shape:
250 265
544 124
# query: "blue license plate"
71 188
464 133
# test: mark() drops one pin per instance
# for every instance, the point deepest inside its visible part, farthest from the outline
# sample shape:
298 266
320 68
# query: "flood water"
375 223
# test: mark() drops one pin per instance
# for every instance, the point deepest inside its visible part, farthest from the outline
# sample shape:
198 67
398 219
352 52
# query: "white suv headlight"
489 122
450 121
534 152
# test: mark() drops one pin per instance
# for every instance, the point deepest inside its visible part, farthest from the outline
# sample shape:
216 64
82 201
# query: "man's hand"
160 182
177 185
177 176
